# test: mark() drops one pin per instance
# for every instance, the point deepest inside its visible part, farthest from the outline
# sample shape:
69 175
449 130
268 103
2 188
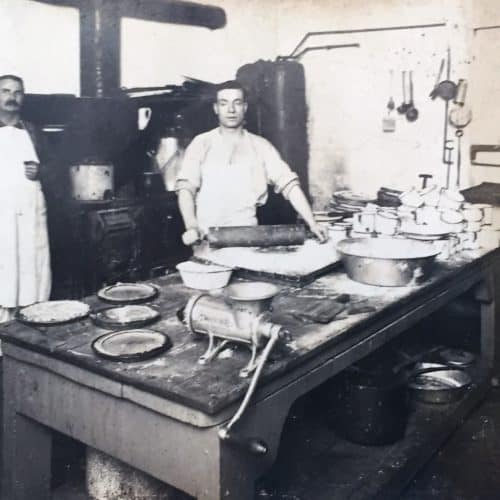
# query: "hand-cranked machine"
242 315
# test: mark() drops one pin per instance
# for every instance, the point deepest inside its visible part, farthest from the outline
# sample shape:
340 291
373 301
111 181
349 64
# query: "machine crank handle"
252 445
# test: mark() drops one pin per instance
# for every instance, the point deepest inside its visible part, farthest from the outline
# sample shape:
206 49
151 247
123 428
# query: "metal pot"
387 261
92 181
444 385
369 408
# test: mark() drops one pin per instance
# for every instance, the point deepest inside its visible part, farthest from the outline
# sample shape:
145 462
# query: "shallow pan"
131 345
130 316
53 312
440 386
128 293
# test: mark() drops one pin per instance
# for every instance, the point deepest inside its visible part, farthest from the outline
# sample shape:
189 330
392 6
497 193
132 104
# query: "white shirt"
229 178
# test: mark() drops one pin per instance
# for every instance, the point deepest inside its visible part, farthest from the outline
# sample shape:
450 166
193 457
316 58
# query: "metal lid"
457 357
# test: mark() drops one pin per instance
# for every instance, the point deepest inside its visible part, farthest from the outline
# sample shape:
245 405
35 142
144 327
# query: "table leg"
233 468
231 478
27 447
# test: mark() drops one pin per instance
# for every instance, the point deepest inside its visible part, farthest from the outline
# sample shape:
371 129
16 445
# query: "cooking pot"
443 385
92 181
371 406
387 261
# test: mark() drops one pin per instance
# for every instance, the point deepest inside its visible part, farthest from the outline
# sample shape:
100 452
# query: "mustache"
15 103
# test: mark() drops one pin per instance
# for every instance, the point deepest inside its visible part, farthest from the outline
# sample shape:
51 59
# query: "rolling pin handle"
252 445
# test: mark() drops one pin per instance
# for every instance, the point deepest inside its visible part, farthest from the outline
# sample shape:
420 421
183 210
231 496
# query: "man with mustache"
25 274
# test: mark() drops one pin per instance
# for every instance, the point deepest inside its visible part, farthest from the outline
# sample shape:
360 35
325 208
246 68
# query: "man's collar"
19 124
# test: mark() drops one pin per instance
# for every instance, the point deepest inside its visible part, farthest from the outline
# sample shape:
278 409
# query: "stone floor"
468 466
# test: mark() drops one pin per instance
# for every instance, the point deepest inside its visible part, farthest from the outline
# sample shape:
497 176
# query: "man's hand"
191 237
31 170
321 232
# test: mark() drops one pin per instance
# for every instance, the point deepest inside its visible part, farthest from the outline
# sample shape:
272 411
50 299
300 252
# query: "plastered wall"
347 89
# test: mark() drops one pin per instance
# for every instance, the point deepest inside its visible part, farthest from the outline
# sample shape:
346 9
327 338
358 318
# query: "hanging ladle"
403 108
447 89
412 111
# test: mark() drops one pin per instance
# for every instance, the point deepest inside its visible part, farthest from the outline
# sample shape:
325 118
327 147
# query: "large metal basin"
387 261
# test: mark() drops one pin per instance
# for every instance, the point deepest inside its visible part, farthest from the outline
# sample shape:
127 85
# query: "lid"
53 312
128 315
121 293
457 357
131 345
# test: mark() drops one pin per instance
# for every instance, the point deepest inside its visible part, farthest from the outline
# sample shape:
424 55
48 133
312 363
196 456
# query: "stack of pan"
387 197
348 202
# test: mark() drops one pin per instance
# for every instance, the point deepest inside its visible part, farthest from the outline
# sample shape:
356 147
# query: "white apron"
230 190
231 186
25 275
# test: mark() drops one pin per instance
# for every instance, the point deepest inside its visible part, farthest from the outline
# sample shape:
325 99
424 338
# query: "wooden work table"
162 415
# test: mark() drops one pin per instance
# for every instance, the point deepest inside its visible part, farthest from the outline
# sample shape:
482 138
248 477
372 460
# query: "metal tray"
128 293
129 315
131 345
55 312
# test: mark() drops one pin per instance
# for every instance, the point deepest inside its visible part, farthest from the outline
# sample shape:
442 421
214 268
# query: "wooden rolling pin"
256 236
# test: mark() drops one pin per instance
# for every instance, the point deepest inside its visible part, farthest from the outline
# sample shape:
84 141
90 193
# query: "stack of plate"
328 216
348 202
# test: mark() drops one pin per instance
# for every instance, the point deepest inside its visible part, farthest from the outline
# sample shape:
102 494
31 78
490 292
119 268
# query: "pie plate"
131 345
53 312
128 293
130 315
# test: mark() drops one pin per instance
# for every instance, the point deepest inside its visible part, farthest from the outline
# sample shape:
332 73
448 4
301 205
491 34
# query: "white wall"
347 90
40 42
156 54
485 85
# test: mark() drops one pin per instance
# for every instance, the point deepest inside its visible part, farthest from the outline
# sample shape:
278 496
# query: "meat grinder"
242 315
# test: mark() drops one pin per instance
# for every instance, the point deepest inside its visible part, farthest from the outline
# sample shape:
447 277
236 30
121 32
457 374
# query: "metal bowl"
387 261
441 386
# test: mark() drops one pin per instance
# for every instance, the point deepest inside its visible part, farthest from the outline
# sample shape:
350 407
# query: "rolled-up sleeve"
189 176
279 174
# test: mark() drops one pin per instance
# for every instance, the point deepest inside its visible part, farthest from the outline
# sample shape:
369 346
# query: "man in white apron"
225 173
25 275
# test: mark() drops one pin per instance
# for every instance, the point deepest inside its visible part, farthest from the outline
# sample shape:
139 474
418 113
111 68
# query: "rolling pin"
256 236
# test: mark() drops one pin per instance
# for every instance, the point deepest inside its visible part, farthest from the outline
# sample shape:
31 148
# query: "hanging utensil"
461 92
403 108
388 122
447 89
459 118
447 92
411 112
433 93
